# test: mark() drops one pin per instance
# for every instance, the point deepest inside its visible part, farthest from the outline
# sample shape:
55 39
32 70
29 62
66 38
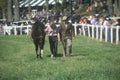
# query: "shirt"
52 31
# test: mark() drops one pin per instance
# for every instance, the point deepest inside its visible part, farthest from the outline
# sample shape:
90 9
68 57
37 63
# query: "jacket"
66 31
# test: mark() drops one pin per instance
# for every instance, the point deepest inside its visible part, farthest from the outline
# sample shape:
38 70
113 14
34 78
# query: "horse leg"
41 45
36 49
41 53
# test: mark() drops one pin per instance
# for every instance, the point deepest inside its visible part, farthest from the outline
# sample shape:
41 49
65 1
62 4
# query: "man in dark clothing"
66 35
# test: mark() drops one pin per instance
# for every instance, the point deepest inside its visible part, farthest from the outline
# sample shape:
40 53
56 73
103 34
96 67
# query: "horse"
38 36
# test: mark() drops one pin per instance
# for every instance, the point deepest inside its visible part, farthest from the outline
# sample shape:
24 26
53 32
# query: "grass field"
91 60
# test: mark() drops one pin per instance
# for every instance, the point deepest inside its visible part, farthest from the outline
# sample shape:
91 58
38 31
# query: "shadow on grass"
72 55
81 54
58 55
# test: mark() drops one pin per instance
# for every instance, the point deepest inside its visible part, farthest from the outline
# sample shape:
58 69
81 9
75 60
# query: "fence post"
27 30
83 29
75 27
21 29
97 32
92 31
117 34
111 35
88 30
4 29
9 31
106 33
15 31
101 32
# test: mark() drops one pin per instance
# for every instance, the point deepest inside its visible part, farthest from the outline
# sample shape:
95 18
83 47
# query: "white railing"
94 31
99 32
7 29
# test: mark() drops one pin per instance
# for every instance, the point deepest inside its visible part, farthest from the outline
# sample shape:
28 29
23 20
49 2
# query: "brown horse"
38 36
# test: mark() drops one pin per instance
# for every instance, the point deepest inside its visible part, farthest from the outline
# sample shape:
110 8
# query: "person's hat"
64 17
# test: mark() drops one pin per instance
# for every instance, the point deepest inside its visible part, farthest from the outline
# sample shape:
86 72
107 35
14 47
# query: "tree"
110 7
29 7
3 7
47 5
16 10
117 7
9 10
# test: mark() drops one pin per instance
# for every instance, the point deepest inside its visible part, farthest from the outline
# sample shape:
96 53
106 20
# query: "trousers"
67 46
53 40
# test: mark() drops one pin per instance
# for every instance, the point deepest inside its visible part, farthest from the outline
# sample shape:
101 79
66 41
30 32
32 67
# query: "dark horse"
38 36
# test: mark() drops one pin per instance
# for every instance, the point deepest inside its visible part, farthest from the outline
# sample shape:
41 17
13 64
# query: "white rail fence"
102 33
8 29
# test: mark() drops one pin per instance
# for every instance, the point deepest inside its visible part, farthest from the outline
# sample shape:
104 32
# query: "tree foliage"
3 3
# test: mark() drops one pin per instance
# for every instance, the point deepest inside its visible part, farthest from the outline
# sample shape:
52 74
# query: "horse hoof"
37 56
40 56
51 56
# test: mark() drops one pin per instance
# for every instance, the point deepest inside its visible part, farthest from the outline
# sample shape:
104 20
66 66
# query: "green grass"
91 60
